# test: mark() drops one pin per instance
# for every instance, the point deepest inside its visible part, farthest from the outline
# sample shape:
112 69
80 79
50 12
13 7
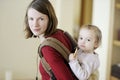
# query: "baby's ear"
96 45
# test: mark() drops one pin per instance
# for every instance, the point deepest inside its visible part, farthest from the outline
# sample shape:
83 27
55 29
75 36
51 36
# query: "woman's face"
37 21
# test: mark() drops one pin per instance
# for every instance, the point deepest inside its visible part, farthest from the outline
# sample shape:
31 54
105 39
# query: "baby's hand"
72 56
75 54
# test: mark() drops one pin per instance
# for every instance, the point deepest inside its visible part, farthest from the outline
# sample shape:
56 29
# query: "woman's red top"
55 60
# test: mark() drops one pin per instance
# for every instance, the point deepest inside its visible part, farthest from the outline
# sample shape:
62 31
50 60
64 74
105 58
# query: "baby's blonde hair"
97 32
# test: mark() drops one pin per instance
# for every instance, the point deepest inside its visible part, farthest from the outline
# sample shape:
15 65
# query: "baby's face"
87 40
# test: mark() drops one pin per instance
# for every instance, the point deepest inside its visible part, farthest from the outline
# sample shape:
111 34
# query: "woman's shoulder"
58 34
59 31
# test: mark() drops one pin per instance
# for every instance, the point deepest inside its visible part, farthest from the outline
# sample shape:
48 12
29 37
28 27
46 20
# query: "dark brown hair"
45 7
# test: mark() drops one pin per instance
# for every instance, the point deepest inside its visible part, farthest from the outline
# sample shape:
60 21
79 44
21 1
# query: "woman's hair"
45 7
96 31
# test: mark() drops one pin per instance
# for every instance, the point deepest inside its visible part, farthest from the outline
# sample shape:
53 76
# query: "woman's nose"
36 24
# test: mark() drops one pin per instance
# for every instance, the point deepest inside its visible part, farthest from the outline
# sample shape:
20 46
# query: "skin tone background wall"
16 53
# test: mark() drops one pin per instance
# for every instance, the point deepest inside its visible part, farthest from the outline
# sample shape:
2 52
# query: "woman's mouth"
36 30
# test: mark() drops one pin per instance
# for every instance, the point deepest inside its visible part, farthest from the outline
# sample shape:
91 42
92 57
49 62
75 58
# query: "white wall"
101 18
68 13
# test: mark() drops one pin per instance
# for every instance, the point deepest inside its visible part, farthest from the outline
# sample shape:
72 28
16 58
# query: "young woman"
85 62
41 22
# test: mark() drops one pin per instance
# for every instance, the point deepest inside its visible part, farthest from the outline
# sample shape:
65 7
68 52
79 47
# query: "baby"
85 61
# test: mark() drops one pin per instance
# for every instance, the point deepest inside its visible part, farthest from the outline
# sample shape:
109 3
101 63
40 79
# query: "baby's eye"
88 40
81 38
41 18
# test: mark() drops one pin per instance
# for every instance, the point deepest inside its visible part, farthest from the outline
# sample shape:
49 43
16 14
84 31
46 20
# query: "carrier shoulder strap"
57 45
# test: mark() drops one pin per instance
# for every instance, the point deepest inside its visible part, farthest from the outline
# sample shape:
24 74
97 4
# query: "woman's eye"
30 18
